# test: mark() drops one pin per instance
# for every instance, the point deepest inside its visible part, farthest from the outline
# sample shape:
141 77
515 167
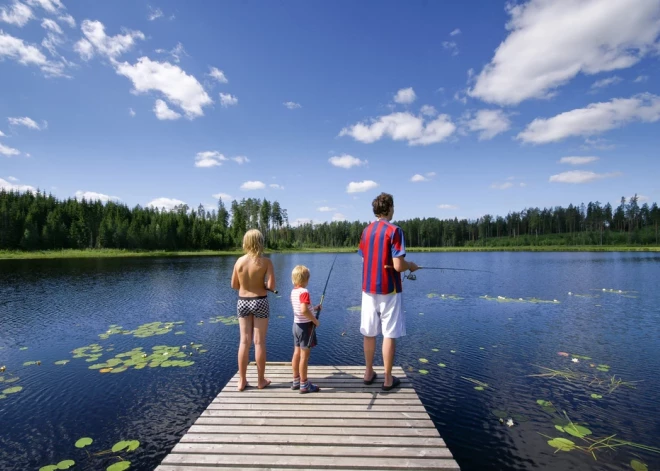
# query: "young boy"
304 335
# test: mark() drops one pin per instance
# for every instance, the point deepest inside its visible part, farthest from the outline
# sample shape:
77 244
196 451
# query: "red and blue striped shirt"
381 241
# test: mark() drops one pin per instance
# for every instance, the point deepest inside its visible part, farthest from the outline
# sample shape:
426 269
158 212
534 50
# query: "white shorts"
382 313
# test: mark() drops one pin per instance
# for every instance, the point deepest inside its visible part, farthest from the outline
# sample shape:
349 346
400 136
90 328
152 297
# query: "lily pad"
596 396
435 350
575 430
13 390
638 466
23 348
452 351
442 365
121 466
354 308
29 363
83 442
50 467
423 372
3 396
479 388
12 380
423 360
62 362
180 332
125 445
543 403
500 414
561 444
66 464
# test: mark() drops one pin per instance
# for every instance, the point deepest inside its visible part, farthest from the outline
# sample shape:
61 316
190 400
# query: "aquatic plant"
144 331
226 320
479 385
423 372
162 356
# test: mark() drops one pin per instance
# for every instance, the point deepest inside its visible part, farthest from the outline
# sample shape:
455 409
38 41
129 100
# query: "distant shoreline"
116 253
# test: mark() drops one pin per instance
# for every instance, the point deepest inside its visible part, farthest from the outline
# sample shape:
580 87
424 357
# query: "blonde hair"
253 243
299 275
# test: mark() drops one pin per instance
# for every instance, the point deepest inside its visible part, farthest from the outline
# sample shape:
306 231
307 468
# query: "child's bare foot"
263 384
242 384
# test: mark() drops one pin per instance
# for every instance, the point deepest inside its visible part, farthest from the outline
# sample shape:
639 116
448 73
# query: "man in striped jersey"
383 254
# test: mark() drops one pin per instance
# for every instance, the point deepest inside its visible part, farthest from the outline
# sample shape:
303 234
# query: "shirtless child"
252 276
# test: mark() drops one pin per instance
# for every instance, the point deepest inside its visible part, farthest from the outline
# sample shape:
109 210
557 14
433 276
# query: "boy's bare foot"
241 385
263 384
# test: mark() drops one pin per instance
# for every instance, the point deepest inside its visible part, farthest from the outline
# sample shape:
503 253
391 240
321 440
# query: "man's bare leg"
389 349
369 352
245 324
260 331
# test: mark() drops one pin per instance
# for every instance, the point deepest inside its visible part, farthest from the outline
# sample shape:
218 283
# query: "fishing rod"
318 313
412 277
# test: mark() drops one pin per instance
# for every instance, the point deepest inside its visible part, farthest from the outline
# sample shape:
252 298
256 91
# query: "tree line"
37 221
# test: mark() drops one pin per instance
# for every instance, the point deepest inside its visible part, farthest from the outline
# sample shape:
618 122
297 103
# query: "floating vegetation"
180 332
423 360
423 372
62 362
90 351
30 363
113 453
568 375
125 445
504 299
547 406
23 348
596 396
421 313
638 466
435 350
481 348
120 466
66 464
452 351
226 320
161 356
444 296
83 442
479 385
442 365
354 308
603 368
145 330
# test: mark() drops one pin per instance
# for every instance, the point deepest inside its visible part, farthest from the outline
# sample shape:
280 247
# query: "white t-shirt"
300 296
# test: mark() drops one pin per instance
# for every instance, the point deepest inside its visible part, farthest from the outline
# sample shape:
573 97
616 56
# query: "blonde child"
252 276
304 335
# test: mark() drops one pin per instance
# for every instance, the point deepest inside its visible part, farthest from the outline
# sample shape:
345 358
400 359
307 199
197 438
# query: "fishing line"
318 313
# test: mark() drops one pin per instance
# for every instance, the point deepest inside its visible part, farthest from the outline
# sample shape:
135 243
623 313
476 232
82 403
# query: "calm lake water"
55 306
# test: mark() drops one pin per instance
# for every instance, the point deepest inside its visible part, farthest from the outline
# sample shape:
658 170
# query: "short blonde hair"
299 275
253 243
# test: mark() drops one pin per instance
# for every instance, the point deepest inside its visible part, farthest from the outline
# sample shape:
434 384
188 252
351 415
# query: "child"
304 337
249 278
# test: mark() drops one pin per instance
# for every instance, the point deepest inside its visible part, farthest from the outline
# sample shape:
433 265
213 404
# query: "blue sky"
456 108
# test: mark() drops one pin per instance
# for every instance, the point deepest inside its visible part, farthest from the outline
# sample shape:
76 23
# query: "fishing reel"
410 276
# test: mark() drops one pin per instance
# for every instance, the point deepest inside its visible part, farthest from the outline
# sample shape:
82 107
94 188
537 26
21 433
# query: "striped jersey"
300 296
381 241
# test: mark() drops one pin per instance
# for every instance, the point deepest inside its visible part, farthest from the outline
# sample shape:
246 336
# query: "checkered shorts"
258 307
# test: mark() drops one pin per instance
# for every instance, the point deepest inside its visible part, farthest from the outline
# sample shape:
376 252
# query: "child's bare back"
251 274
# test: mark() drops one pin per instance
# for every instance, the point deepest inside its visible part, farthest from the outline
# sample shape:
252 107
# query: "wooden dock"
345 426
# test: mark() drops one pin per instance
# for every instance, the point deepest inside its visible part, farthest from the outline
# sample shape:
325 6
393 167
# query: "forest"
37 221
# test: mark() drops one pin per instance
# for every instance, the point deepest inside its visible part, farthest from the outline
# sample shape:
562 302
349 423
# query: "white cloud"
54 36
360 187
430 174
501 186
175 53
2 134
326 209
596 143
68 19
179 88
402 126
488 123
450 46
640 198
253 185
641 79
227 99
5 185
606 82
50 25
163 112
167 203
292 105
12 179
428 110
154 13
218 75
275 186
447 206
577 160
51 6
596 36
418 178
405 96
27 54
19 14
594 119
346 161
240 159
209 158
96 41
581 176
8 151
24 121
455 32
94 196
338 217
224 196
131 112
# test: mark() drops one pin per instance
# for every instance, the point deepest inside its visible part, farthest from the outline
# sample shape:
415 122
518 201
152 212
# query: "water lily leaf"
121 466
442 365
435 350
638 466
543 403
603 368
119 369
66 464
479 388
28 363
452 351
50 467
3 396
125 445
62 362
105 370
423 360
83 442
12 380
23 348
561 444
354 308
481 348
596 396
423 372
499 413
575 430
13 390
520 418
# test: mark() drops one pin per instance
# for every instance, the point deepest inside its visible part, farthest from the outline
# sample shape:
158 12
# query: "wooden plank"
312 439
318 379
311 374
312 399
315 430
312 461
304 450
317 422
407 393
301 414
314 407
323 383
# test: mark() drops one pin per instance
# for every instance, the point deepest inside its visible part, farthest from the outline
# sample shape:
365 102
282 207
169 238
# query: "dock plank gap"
346 426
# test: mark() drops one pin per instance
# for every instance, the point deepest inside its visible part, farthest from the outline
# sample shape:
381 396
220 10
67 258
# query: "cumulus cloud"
97 42
455 32
8 151
606 82
154 13
27 54
596 36
641 79
428 110
488 123
581 176
253 185
2 134
326 209
501 186
18 15
179 88
165 203
240 159
131 112
8 186
217 74
594 119
346 161
361 187
227 99
68 19
418 178
338 217
577 160
175 53
450 46
163 112
447 206
405 96
51 6
12 179
275 186
292 105
94 196
402 127
209 158
223 196
24 121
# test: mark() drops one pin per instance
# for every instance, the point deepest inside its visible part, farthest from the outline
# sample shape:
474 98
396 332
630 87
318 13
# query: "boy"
304 323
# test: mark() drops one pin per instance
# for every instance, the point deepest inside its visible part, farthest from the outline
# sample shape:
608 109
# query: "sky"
458 108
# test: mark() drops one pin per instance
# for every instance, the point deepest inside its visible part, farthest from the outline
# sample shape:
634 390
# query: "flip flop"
395 382
370 381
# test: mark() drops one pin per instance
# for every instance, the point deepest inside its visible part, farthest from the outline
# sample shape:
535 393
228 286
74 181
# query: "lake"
599 351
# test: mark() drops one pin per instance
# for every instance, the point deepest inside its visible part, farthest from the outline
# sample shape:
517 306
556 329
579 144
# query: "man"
383 254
